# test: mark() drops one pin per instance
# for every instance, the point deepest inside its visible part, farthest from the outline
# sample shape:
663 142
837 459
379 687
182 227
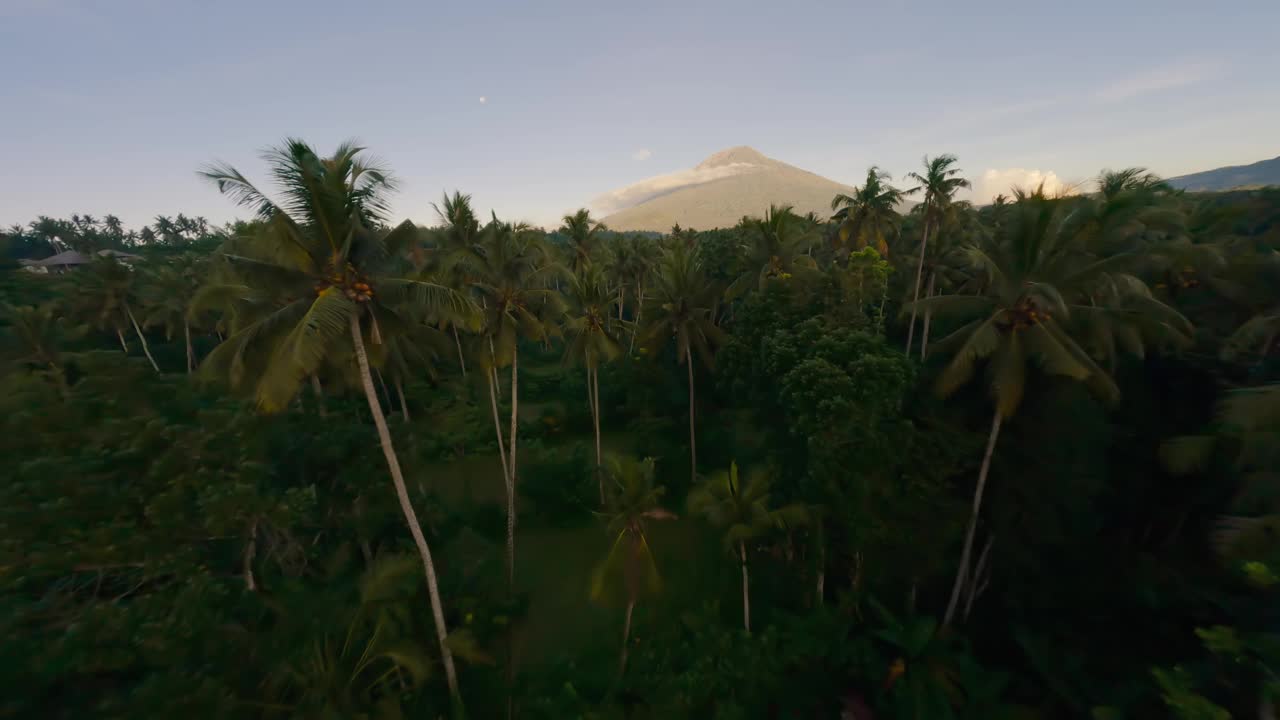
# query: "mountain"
1265 172
718 192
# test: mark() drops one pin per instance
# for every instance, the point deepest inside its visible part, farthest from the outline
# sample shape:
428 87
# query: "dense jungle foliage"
1010 461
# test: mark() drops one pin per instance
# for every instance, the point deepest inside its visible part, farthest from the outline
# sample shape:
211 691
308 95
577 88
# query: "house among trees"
71 259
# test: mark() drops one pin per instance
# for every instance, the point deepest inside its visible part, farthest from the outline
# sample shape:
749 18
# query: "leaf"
1187 454
980 339
463 644
303 350
1009 374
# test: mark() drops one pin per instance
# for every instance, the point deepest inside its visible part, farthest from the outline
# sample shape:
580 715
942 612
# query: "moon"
483 100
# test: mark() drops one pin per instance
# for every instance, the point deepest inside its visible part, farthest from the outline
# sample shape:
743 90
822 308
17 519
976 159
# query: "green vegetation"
694 476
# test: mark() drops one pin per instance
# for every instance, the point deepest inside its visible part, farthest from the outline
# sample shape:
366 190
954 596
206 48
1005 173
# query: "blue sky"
112 106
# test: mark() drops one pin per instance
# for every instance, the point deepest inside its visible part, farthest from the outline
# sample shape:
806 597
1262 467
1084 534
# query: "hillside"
1265 172
718 192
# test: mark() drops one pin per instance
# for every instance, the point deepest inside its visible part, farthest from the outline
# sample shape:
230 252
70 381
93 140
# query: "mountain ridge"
1231 177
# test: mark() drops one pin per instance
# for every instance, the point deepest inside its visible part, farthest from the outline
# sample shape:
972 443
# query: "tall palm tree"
584 233
939 183
320 257
957 227
633 503
682 310
168 293
48 230
870 216
105 290
1036 277
777 247
741 508
35 340
1247 436
513 275
453 251
590 341
361 660
631 265
621 268
167 230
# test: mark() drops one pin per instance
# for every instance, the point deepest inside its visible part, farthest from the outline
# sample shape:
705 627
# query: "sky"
535 108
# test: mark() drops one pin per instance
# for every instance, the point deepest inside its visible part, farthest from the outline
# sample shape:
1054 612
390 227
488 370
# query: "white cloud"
637 193
1153 80
641 154
997 181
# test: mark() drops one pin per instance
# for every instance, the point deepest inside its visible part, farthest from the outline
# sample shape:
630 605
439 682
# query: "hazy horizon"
120 112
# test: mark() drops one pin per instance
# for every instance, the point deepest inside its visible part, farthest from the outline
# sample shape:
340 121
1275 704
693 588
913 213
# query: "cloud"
641 154
1157 79
650 188
997 181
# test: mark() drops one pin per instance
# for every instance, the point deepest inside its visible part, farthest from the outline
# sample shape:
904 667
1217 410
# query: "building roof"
66 257
118 254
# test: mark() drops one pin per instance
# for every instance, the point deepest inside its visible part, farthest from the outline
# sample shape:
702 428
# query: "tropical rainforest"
916 459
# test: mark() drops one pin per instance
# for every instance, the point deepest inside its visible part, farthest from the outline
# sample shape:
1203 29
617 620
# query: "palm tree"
1035 279
777 247
957 226
870 215
362 660
741 508
168 293
939 182
584 235
454 250
105 289
513 274
634 502
591 341
621 269
1247 436
318 257
681 309
48 230
35 338
167 230
631 264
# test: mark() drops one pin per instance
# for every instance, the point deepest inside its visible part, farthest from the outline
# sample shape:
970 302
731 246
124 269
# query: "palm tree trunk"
249 552
191 355
595 393
635 327
404 406
319 391
595 423
928 316
962 572
911 330
411 518
143 338
123 345
462 361
511 464
693 440
506 478
626 636
386 394
493 358
822 562
979 583
746 592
